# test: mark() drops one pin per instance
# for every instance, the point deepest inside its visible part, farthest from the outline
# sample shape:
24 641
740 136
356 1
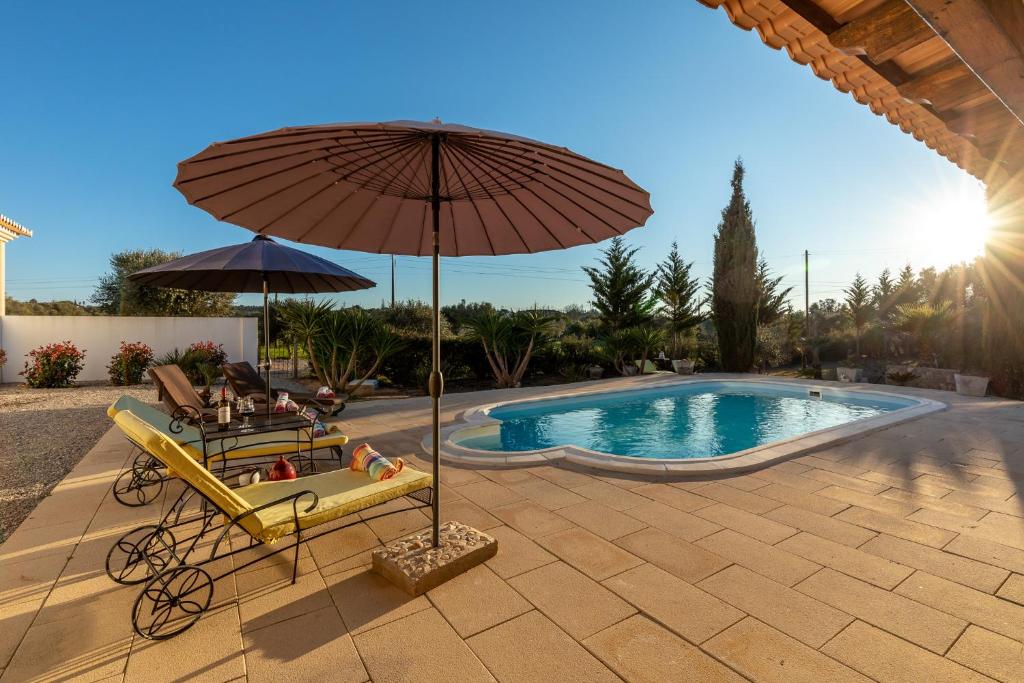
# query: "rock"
415 566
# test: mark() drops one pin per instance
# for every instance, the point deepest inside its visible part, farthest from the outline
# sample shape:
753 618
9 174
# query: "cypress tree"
734 285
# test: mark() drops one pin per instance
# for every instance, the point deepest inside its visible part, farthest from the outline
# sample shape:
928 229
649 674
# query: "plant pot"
629 370
970 385
365 389
595 372
844 374
683 367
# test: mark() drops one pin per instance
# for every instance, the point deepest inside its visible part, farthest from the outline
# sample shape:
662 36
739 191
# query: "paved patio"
898 556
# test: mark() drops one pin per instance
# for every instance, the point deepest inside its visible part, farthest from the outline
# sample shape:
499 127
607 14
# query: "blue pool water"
691 420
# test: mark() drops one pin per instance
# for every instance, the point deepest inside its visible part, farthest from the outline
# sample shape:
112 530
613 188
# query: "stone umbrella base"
415 566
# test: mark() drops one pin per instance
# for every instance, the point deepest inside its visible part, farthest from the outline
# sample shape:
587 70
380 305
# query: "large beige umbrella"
414 188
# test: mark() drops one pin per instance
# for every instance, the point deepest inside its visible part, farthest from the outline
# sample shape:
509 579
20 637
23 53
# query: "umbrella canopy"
260 265
246 267
409 187
368 187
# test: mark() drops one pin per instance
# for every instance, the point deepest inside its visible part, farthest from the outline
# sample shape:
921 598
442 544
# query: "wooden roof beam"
988 35
947 87
985 120
883 33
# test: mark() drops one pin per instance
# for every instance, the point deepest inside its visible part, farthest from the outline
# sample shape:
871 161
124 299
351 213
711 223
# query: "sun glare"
952 226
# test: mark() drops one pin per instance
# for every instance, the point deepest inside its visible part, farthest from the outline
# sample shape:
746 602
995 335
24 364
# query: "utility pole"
392 281
807 294
807 308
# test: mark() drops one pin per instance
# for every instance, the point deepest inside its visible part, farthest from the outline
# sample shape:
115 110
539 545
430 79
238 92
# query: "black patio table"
299 423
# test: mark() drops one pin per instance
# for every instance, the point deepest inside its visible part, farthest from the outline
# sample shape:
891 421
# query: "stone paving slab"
896 556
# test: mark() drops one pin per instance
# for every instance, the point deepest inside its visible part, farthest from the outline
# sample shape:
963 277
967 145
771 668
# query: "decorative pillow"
285 404
319 428
379 468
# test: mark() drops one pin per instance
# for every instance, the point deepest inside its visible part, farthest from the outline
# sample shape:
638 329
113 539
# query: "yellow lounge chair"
178 589
142 482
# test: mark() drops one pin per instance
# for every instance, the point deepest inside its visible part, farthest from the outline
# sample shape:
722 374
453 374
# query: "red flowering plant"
205 354
128 364
53 365
211 352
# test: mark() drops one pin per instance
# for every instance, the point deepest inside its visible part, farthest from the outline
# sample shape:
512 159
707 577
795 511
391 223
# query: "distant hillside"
33 307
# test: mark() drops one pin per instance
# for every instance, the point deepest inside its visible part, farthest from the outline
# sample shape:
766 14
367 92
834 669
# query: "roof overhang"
948 72
10 229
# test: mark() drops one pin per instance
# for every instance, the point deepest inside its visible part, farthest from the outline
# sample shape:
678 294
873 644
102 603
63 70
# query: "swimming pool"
693 421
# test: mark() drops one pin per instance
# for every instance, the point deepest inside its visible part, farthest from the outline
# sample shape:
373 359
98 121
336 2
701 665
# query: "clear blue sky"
101 100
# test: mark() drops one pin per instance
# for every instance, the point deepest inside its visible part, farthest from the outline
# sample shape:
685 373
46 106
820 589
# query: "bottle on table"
223 410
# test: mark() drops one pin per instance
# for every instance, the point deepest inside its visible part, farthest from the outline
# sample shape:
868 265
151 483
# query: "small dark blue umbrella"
261 265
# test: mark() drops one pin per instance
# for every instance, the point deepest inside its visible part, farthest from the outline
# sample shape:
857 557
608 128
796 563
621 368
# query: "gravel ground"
43 435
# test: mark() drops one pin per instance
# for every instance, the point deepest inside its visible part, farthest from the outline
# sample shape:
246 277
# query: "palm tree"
509 341
303 320
616 346
340 342
924 323
645 340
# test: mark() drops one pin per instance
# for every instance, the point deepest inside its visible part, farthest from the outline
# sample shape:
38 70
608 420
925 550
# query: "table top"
260 423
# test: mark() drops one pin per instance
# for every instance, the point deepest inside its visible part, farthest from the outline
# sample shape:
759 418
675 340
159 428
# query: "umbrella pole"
266 337
436 380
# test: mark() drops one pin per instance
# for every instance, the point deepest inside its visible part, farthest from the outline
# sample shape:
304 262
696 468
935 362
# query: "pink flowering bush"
128 364
53 365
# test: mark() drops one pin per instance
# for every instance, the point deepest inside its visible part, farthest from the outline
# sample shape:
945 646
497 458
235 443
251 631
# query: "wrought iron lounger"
245 381
144 478
176 391
178 580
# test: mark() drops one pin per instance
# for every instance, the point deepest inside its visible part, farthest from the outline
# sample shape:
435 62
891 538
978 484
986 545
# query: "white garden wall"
100 337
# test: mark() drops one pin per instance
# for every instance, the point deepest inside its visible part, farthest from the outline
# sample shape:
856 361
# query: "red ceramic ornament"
282 470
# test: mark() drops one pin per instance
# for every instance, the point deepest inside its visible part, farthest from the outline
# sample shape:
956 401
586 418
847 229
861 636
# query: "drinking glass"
247 411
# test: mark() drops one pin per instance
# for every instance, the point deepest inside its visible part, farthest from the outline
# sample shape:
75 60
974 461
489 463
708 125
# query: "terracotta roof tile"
781 28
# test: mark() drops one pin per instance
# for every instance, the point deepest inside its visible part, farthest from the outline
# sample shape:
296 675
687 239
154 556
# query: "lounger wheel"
172 601
140 553
141 483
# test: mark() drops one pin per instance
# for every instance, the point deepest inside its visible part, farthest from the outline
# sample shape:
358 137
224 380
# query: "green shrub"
901 377
569 350
53 365
3 358
412 317
706 353
574 373
128 364
189 361
461 359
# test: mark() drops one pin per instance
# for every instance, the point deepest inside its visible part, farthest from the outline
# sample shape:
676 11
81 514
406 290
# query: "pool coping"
477 420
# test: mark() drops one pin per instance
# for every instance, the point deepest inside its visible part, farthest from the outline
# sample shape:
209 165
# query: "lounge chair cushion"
341 492
247 446
179 463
